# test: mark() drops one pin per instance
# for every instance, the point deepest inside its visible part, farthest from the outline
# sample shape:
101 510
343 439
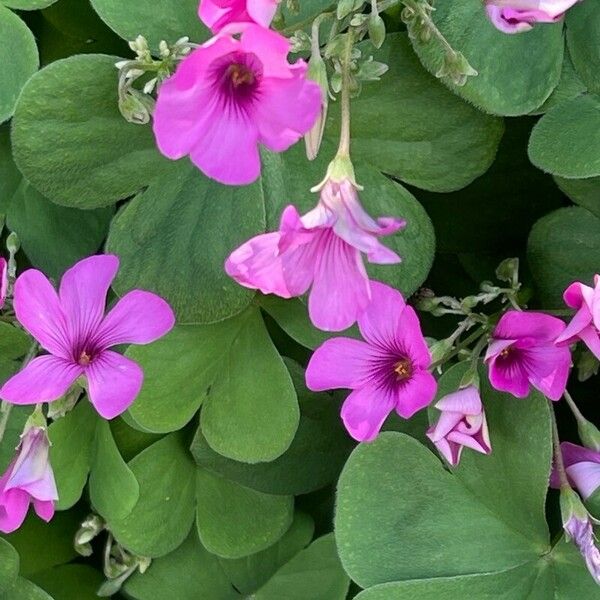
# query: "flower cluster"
234 93
516 16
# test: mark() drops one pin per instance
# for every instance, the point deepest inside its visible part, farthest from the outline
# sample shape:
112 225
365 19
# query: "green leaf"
402 516
569 87
585 192
250 573
565 141
23 589
14 427
314 459
10 177
70 582
583 32
516 73
72 439
174 238
156 20
70 140
409 126
247 416
564 246
27 4
18 57
14 342
182 575
130 441
314 573
235 521
164 514
114 490
9 565
52 236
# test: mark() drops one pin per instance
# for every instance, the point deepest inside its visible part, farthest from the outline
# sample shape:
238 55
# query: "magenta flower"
582 466
28 479
387 371
215 14
461 424
72 327
3 281
523 353
516 16
229 96
322 251
585 325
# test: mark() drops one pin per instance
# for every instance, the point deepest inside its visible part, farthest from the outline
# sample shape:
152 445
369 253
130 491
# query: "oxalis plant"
299 300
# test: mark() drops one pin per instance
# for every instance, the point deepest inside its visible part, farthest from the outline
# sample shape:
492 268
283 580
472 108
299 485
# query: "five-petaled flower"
522 352
28 479
216 14
71 326
230 95
387 371
585 325
322 251
461 424
516 16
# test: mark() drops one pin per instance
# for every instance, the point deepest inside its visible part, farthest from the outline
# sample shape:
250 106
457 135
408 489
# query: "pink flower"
522 353
29 478
218 13
583 469
322 250
229 96
72 327
585 325
3 281
387 371
462 423
516 16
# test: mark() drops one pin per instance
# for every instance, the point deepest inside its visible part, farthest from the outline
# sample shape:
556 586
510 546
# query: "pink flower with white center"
71 326
461 424
3 281
231 95
582 466
387 371
522 353
215 14
517 16
28 479
321 251
585 325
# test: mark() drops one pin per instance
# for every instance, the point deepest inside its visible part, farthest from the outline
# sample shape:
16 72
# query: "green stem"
574 409
344 147
291 29
558 459
464 344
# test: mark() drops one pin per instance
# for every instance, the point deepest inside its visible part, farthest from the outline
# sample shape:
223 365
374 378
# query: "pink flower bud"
516 16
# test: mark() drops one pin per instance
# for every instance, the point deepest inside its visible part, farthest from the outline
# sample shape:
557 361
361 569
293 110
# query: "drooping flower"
579 527
3 281
231 95
28 479
517 16
462 423
582 466
387 371
585 325
322 251
522 352
71 326
216 14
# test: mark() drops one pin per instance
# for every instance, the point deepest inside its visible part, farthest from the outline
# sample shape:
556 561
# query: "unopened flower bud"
376 30
439 349
508 270
317 71
89 529
136 107
345 7
13 244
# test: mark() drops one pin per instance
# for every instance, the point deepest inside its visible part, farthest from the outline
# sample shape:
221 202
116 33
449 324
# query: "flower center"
505 352
240 75
403 369
84 359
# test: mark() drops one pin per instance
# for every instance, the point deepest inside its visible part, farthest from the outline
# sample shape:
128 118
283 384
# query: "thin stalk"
574 409
558 459
344 147
461 346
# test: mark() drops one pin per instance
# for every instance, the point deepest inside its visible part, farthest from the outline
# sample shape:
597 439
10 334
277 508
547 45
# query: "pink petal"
271 48
14 505
468 441
495 347
591 338
83 290
574 295
465 401
410 340
340 290
44 509
417 393
364 412
339 363
38 309
495 16
585 476
581 320
380 322
45 379
508 377
114 381
551 384
572 453
449 450
262 11
516 324
446 423
138 318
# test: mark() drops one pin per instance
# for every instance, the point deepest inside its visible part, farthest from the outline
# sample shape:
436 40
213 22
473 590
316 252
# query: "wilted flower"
229 96
387 371
461 424
218 13
3 281
72 327
523 353
322 251
28 479
585 325
582 466
516 16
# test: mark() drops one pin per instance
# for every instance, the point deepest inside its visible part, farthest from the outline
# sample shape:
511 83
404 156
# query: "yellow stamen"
240 75
84 359
403 369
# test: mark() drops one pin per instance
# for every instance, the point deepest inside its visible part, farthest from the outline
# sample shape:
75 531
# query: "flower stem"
574 409
344 147
461 346
558 459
